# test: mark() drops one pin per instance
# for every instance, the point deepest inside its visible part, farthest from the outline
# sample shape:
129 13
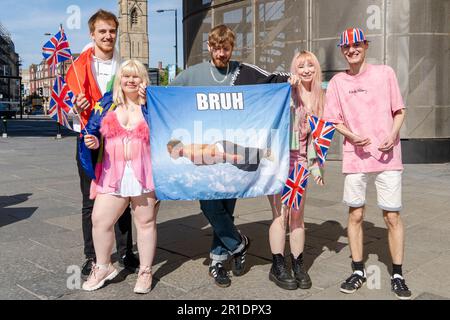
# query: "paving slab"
42 249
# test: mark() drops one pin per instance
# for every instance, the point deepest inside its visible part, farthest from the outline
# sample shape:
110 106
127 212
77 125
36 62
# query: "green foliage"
164 76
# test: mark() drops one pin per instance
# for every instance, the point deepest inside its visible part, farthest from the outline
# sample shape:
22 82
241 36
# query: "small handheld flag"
57 49
295 187
322 133
61 102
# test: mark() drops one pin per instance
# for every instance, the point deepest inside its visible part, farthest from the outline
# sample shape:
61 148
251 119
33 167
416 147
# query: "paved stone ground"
41 240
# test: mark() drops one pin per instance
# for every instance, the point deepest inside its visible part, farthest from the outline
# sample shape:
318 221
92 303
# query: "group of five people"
363 102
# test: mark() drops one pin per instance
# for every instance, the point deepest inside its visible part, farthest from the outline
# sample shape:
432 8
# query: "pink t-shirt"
366 104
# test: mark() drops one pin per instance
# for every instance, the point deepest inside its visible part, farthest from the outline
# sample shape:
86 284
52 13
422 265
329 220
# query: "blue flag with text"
219 142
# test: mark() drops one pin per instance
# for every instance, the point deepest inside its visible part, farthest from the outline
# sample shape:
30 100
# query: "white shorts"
387 183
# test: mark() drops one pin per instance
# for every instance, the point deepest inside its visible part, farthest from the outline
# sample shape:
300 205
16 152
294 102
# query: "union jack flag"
322 133
61 102
57 49
295 187
351 36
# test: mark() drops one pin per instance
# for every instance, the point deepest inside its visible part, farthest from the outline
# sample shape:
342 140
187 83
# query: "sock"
103 266
358 266
397 269
300 257
214 262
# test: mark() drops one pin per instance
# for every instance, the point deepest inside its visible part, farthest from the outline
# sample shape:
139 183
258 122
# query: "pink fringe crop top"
120 146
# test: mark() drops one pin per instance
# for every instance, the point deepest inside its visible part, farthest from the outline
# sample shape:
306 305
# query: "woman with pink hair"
307 99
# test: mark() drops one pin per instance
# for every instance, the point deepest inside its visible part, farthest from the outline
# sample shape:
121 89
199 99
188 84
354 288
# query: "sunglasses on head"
355 45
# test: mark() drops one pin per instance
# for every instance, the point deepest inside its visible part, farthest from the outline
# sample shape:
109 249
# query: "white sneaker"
99 276
144 281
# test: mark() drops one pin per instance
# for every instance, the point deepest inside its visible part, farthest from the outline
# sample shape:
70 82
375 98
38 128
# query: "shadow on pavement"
35 128
325 236
12 215
319 238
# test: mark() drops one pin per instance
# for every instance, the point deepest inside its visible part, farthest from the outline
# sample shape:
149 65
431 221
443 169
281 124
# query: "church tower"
133 30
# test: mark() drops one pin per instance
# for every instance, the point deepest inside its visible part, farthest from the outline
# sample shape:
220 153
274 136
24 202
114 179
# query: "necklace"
226 74
131 107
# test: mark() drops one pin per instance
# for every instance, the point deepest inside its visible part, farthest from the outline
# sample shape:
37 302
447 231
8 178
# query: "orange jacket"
83 66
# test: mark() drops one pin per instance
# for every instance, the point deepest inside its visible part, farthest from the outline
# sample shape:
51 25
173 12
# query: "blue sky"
29 20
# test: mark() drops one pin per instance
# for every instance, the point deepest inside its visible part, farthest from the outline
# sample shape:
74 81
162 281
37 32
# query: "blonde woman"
124 176
307 99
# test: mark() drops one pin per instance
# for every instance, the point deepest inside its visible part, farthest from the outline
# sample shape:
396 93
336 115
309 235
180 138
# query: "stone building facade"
133 30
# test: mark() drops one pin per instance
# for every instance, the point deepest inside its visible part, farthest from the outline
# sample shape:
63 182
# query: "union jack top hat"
352 35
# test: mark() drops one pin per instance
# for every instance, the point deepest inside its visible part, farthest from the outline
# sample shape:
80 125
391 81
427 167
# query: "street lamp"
176 36
46 83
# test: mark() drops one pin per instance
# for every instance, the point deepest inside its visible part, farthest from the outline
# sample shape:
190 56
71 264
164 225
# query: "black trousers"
122 229
252 156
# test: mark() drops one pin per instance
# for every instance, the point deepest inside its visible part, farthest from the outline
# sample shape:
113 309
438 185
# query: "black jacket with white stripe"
251 74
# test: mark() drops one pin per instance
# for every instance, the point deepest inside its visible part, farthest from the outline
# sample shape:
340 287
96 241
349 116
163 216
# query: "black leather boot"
280 274
300 274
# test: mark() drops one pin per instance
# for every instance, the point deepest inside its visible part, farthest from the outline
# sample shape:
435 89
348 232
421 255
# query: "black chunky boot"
280 274
300 274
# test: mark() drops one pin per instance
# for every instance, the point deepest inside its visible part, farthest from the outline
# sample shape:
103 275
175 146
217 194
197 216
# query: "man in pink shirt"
366 105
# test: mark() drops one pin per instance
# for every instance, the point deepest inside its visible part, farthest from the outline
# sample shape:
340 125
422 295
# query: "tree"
164 76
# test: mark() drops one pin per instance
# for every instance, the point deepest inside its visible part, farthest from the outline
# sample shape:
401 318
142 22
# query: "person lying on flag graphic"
243 158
